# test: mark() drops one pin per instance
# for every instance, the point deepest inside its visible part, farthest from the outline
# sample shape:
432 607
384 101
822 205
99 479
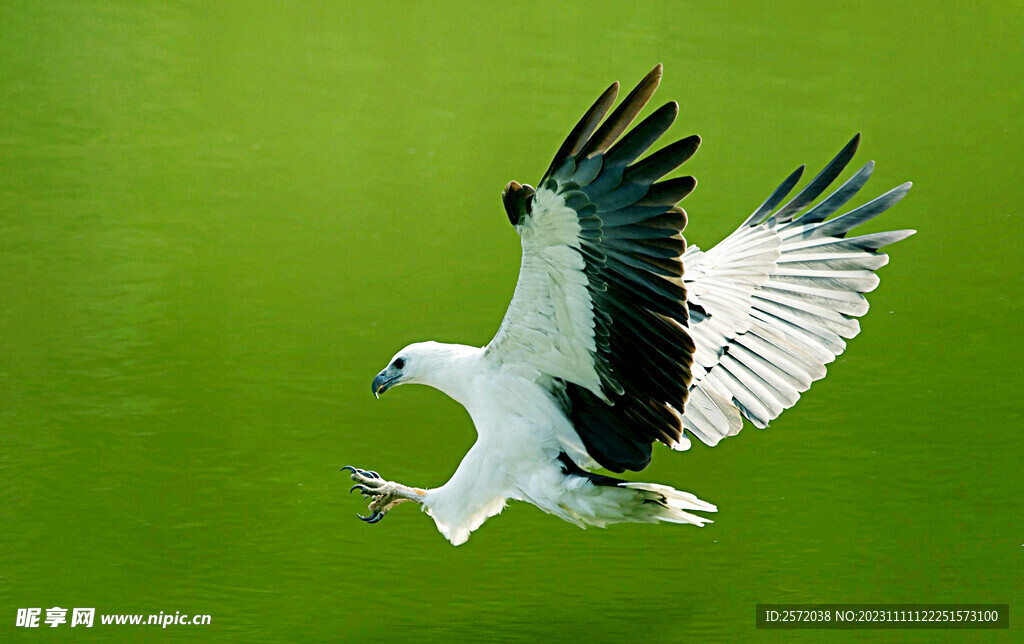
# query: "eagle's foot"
385 494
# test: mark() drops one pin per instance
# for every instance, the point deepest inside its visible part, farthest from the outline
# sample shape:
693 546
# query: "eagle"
620 336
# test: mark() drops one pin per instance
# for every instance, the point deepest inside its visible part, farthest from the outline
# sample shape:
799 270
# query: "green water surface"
219 220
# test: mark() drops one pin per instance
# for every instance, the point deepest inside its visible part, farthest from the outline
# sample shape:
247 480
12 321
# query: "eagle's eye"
398 363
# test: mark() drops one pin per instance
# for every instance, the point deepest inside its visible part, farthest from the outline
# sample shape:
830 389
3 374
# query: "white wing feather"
549 326
775 302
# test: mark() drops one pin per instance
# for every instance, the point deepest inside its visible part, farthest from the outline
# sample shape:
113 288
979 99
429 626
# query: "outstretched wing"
599 311
773 303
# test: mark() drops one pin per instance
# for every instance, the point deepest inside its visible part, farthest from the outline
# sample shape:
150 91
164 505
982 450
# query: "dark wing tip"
849 150
623 116
516 198
671 111
583 130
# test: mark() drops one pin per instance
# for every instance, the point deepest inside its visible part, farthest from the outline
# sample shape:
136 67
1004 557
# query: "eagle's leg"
385 494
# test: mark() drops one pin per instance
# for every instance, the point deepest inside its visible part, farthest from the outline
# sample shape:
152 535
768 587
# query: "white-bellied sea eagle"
620 336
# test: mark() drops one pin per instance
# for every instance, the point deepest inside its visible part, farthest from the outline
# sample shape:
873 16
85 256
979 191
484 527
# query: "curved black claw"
370 474
365 491
373 518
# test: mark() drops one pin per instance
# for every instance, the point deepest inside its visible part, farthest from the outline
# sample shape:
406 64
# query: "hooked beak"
384 380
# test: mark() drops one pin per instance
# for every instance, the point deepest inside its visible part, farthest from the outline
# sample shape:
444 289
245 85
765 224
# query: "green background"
219 220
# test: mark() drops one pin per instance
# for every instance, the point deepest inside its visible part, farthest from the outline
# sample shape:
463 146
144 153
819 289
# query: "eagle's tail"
599 502
595 499
664 503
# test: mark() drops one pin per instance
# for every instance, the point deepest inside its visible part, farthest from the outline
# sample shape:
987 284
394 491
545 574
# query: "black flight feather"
630 242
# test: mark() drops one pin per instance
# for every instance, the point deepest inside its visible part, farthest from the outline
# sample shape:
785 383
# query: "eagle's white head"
438 365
